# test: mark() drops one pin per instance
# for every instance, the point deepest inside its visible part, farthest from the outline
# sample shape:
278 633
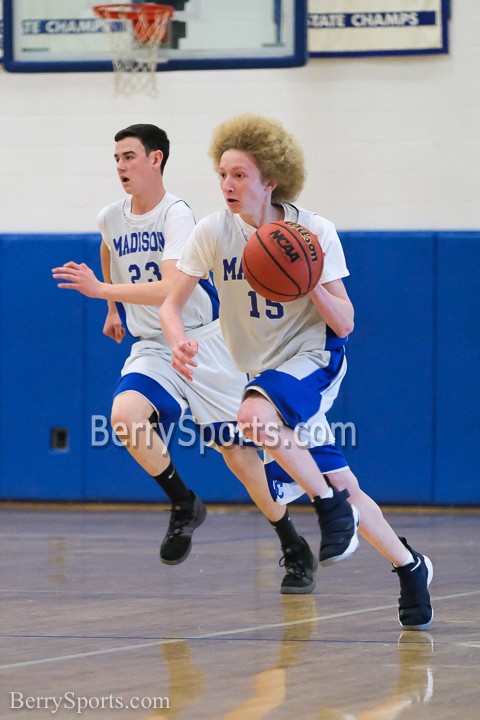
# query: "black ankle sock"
173 485
286 532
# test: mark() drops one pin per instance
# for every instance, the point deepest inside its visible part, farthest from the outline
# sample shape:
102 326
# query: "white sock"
408 561
328 494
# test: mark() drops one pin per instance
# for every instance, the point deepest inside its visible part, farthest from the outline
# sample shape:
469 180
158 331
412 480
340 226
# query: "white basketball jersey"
260 333
138 244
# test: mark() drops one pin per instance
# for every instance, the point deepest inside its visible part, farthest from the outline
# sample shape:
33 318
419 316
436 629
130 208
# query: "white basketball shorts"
213 396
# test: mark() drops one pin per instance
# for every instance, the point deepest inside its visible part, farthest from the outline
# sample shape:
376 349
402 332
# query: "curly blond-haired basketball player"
294 353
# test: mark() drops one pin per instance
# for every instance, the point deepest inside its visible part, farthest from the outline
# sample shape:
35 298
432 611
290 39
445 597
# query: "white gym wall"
390 143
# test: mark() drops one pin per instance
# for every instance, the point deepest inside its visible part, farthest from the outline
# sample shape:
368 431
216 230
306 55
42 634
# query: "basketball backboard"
54 35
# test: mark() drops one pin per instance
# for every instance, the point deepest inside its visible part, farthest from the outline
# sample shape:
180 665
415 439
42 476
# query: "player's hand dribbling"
182 356
80 277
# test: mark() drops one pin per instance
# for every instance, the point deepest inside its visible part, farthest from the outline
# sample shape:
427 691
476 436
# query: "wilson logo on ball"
307 236
282 261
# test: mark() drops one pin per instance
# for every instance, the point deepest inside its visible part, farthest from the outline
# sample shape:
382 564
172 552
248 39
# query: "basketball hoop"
135 33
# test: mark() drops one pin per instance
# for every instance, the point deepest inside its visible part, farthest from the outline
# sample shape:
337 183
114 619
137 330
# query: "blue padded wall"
389 385
457 368
410 391
41 371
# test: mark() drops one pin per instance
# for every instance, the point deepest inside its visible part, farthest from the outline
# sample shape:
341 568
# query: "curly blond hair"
274 151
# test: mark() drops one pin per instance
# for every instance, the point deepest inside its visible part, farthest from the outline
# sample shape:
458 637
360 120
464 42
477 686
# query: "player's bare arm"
334 305
113 326
183 350
78 276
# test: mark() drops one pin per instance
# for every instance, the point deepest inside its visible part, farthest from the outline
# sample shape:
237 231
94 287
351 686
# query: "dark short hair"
151 137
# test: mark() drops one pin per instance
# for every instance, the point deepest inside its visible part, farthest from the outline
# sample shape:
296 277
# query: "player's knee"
246 413
118 416
127 414
255 414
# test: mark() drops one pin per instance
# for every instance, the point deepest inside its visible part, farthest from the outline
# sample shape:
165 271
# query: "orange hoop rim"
132 11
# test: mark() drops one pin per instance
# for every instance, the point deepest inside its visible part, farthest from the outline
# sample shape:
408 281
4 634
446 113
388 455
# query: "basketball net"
135 34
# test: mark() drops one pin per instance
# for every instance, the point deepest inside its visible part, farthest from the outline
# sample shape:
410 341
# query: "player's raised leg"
338 519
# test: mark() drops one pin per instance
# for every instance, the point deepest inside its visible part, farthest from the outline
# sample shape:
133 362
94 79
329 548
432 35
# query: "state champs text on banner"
377 27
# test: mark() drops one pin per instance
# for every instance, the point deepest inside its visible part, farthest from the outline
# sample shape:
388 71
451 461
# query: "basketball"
282 261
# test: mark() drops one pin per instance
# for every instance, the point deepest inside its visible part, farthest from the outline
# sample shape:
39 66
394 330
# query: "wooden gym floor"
91 620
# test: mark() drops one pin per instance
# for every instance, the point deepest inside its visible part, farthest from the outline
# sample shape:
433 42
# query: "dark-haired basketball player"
294 353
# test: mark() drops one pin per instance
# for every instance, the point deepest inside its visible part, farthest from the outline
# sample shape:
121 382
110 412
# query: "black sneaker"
339 521
301 566
414 608
185 517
